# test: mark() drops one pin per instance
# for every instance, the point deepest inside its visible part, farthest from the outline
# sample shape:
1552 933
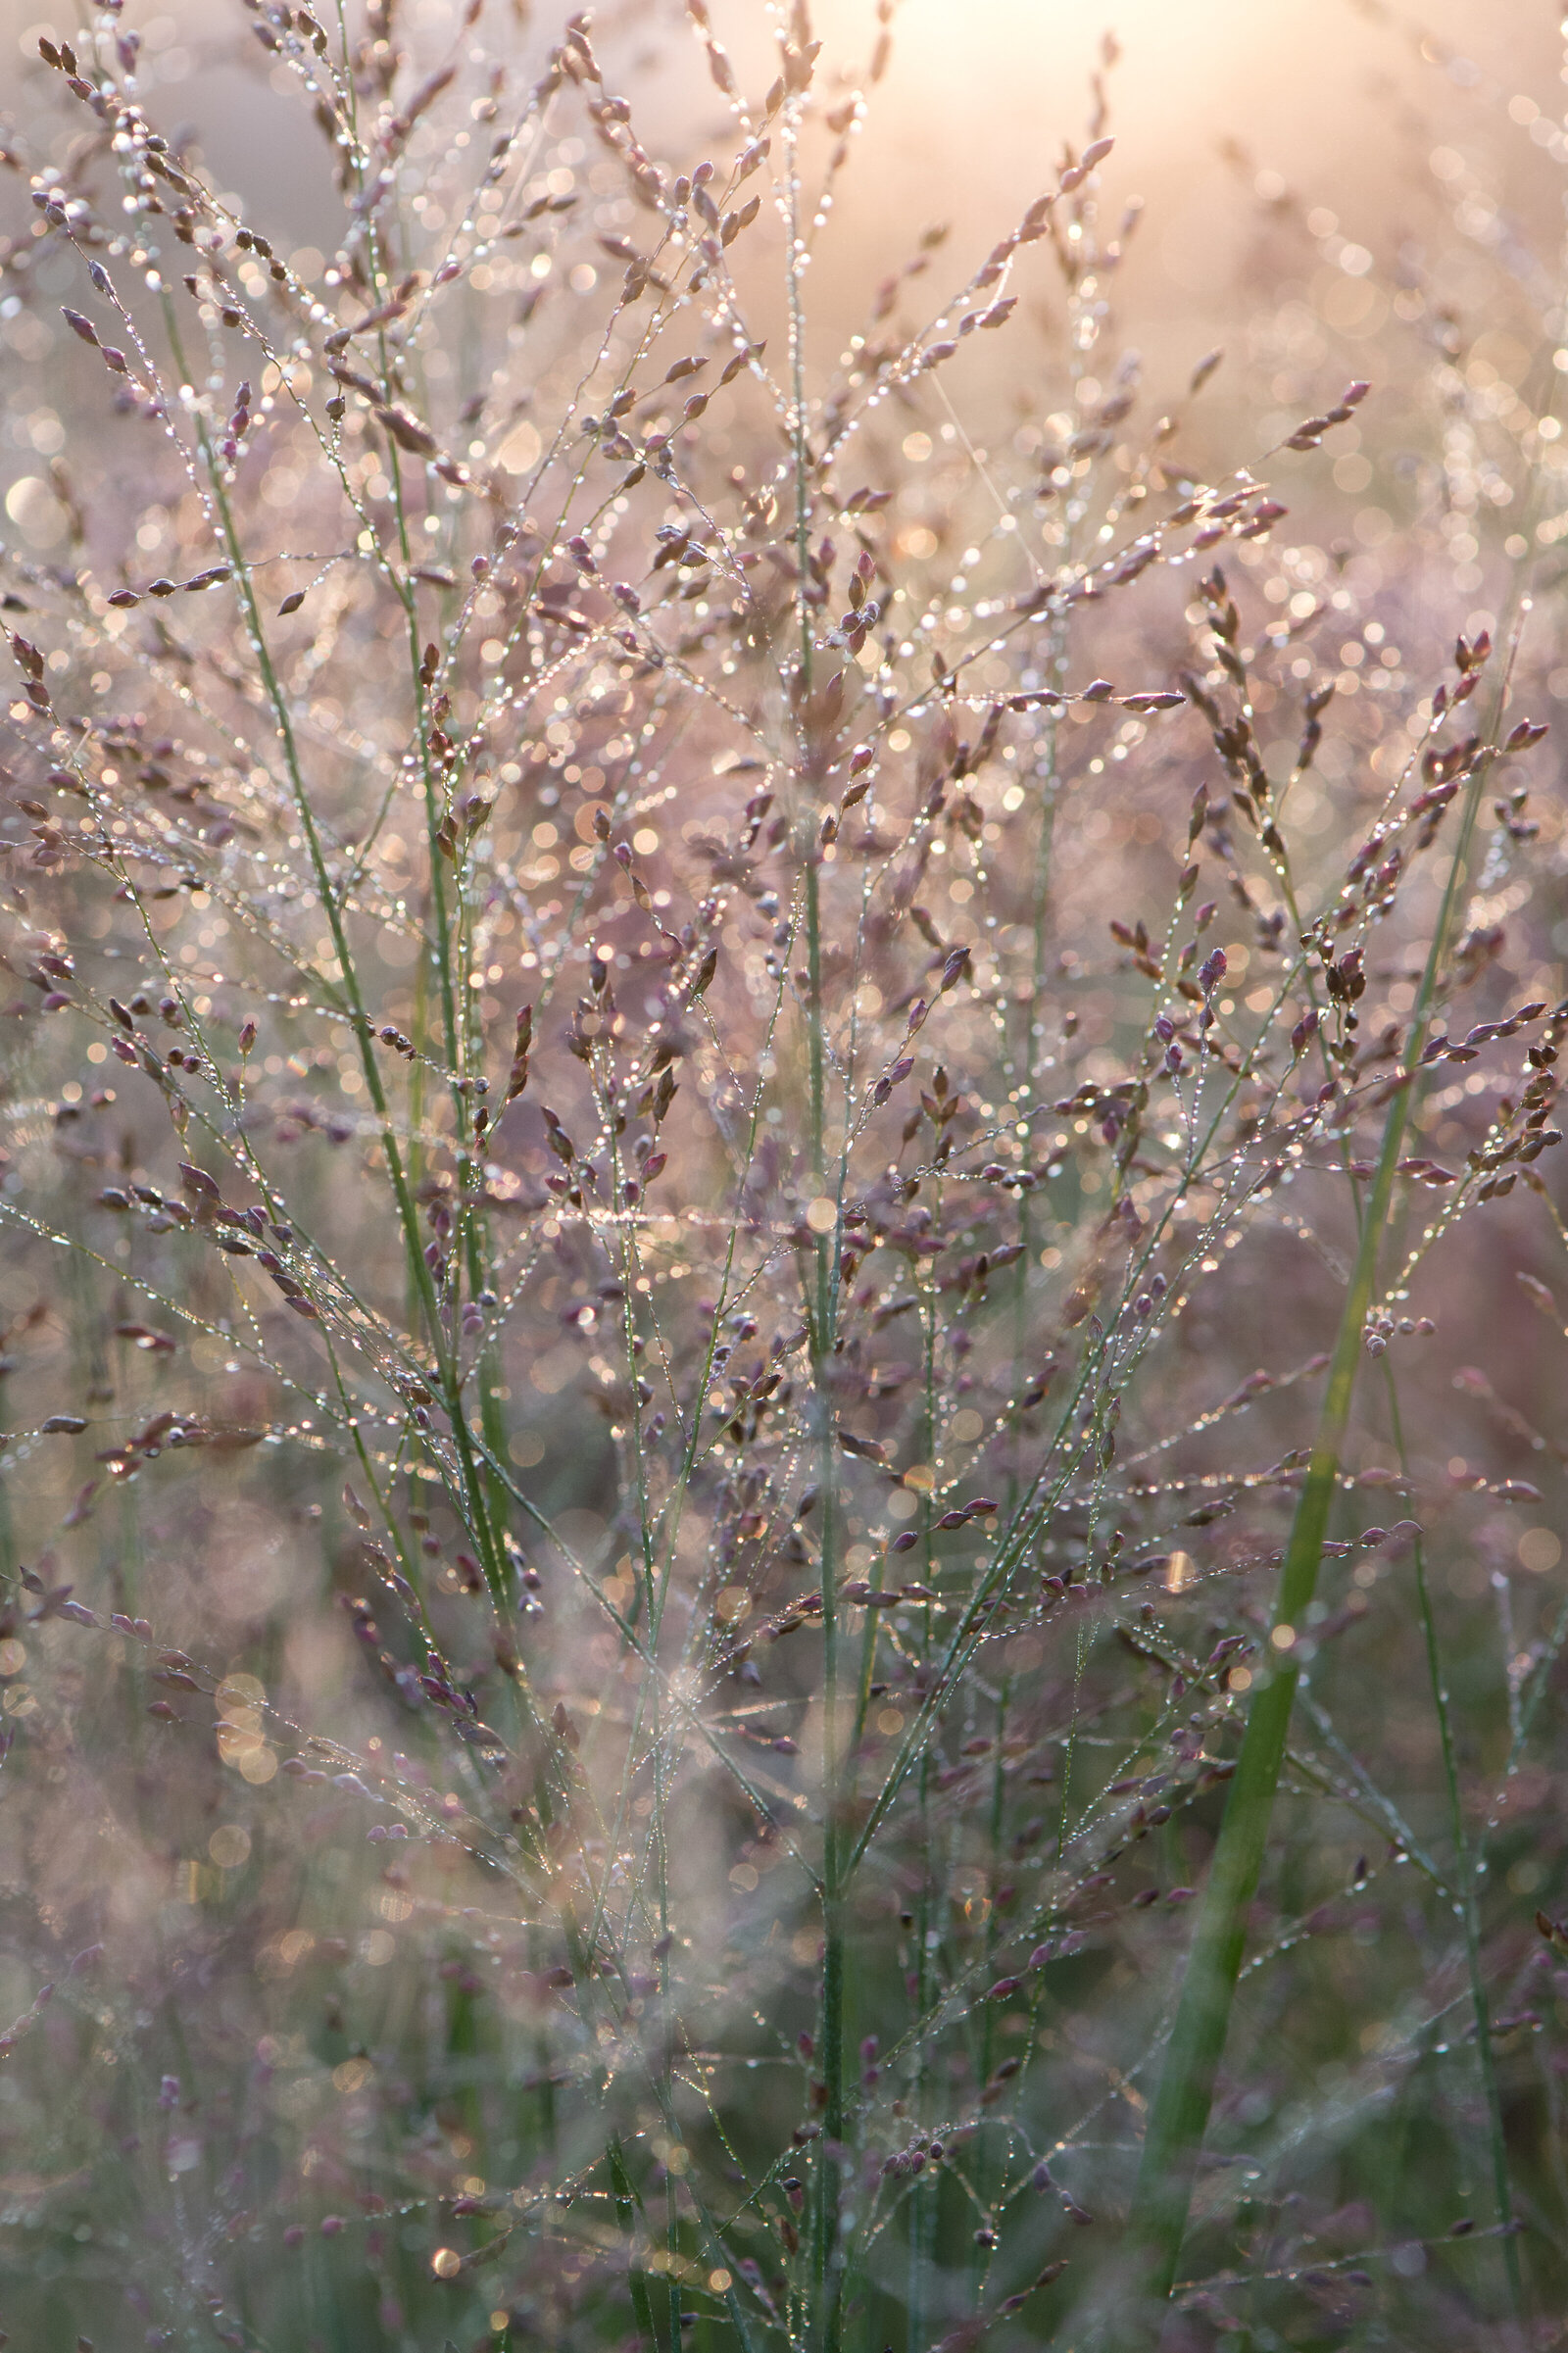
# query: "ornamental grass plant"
783 1274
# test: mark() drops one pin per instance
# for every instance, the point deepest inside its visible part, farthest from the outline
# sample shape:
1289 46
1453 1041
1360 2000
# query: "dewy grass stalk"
821 1312
1179 2112
1467 1902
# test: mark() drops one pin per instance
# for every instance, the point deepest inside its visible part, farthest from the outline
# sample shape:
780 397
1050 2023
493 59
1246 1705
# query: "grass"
722 1059
1179 2116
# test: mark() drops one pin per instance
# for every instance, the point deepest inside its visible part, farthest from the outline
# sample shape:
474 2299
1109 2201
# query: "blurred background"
1336 108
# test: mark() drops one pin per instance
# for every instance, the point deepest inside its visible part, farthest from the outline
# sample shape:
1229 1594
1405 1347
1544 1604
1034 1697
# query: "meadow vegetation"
783 1277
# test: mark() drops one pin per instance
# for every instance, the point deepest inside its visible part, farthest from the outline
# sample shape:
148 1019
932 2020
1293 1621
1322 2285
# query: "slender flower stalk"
1179 2114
